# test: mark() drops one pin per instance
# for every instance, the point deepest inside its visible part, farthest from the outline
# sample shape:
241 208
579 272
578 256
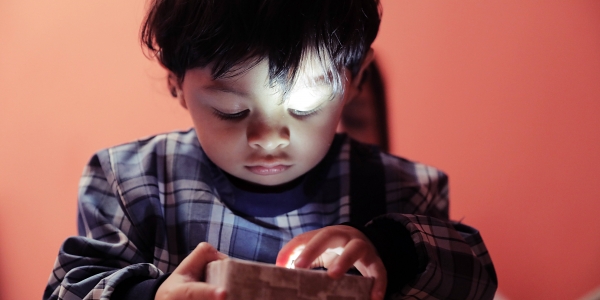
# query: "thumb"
195 263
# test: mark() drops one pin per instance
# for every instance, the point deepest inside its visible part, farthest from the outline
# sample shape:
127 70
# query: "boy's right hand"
185 281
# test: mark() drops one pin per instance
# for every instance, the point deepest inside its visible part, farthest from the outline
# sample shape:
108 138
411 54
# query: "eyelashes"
299 114
231 117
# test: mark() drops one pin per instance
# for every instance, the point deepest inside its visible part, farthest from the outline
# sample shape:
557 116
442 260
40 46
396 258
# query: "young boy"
263 172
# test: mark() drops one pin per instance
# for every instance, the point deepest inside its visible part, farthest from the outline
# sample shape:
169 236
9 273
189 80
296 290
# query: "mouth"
268 169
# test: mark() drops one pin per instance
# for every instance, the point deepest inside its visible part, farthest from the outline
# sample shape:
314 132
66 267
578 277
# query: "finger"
378 291
288 249
317 245
376 270
222 255
324 260
353 251
193 265
379 286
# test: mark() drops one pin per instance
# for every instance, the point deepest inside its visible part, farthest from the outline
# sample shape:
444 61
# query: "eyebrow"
221 87
320 80
218 87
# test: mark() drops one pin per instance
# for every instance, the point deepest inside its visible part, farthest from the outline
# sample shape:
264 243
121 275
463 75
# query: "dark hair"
184 34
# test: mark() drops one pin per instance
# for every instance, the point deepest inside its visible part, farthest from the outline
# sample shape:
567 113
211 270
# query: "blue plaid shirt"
144 206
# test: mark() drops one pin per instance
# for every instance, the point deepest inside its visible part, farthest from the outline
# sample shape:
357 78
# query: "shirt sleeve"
108 251
428 256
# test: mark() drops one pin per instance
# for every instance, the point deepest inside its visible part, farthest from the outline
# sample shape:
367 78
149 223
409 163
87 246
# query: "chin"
272 180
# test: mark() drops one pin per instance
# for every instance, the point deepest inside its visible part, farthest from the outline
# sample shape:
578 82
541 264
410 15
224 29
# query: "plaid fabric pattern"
442 248
144 206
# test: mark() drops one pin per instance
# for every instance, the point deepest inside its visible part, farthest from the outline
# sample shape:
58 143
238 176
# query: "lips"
268 169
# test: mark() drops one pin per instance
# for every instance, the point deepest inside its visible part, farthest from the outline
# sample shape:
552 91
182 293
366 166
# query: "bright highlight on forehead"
316 82
315 68
308 98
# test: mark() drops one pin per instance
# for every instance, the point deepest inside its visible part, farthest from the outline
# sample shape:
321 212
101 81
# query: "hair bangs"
232 36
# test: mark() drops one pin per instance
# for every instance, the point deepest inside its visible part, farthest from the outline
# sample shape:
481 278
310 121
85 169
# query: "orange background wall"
502 95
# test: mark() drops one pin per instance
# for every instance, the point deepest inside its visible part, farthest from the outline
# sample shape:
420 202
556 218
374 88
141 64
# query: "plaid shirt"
144 206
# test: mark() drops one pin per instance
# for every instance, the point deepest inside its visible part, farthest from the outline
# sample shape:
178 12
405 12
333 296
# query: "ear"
357 80
175 89
355 84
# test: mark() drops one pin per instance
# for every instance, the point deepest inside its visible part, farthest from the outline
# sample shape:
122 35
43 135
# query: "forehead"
255 74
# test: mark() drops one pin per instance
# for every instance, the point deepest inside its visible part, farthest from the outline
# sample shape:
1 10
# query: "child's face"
248 129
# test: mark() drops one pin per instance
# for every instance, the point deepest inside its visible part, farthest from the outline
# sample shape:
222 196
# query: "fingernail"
335 272
298 262
334 269
220 293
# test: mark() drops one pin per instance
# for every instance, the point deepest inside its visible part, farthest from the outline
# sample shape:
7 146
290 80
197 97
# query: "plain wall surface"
502 95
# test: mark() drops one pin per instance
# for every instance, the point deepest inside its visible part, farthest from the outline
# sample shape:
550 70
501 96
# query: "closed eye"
231 117
301 114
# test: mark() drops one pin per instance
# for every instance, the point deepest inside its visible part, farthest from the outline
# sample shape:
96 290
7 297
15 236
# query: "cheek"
223 139
218 138
316 136
330 120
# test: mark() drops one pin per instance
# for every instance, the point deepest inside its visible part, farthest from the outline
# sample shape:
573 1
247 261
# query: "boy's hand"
184 282
318 251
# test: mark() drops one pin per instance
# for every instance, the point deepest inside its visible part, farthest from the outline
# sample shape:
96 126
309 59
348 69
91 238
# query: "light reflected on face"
251 131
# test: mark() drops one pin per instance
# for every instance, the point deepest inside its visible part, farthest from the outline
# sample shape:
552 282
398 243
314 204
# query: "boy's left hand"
357 251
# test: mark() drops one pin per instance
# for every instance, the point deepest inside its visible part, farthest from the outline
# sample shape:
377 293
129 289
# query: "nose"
267 135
